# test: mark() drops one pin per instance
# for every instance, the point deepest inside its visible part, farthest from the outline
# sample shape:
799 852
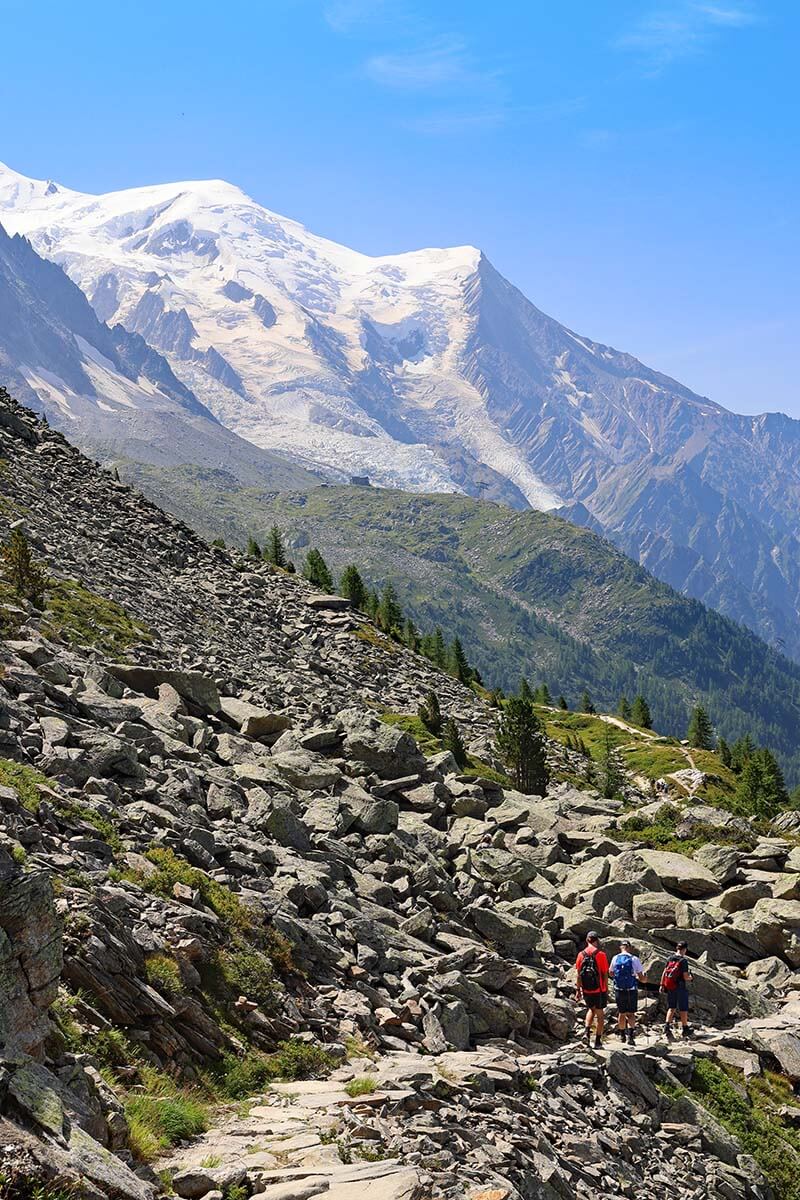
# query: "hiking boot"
686 1033
668 1033
588 1035
631 1037
598 1042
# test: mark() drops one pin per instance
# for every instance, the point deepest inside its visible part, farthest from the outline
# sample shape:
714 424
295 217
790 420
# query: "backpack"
624 978
672 975
588 973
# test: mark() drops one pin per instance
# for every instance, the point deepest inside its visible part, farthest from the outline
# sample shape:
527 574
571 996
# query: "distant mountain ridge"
106 387
430 372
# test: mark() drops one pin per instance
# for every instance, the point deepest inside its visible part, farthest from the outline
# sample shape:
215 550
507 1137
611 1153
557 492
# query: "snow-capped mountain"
429 371
107 388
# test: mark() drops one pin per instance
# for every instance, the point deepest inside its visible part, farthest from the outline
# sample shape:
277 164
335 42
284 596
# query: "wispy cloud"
674 31
444 62
347 15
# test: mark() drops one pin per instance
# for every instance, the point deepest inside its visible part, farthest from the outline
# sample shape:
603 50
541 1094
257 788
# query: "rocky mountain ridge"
247 861
429 371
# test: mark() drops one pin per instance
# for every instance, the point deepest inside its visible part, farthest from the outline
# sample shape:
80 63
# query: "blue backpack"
624 978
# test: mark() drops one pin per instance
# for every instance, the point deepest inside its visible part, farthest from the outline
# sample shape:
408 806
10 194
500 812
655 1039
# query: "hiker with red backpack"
627 972
674 979
591 967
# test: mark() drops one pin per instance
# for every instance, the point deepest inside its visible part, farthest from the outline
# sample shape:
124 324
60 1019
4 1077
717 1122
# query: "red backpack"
673 974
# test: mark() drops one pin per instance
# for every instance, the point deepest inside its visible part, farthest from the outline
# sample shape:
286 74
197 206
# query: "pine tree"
253 549
761 792
523 747
439 650
410 634
275 550
586 703
458 662
430 714
27 578
525 690
372 606
700 733
351 585
542 695
451 740
390 614
741 750
315 570
562 704
724 752
611 774
219 543
640 713
624 708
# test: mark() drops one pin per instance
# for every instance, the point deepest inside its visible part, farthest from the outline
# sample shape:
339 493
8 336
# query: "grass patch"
170 869
76 615
249 973
158 1121
362 1085
25 781
105 828
163 973
659 833
430 744
237 1077
750 1112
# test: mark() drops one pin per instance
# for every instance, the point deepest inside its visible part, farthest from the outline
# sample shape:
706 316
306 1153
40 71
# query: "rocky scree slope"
528 593
429 371
216 847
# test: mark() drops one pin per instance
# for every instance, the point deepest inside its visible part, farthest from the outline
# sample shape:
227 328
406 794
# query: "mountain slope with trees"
527 594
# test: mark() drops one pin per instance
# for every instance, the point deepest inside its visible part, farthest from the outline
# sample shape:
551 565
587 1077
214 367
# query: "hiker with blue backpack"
627 972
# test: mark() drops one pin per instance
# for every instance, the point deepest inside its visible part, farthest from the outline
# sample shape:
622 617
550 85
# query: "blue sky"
632 166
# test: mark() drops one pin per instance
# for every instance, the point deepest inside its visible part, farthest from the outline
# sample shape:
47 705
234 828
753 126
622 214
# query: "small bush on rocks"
24 780
171 870
751 1114
362 1085
237 1077
157 1122
249 973
163 973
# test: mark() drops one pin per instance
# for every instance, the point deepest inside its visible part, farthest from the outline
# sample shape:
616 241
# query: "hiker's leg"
601 1021
589 1017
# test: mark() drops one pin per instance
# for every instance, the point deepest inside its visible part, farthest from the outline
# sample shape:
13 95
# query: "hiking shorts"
595 999
678 998
627 1000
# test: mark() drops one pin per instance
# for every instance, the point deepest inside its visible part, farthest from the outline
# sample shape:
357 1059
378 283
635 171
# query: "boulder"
375 746
253 721
194 686
680 874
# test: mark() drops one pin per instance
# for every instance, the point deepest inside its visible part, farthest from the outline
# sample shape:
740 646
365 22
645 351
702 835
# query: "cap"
624 942
681 946
593 936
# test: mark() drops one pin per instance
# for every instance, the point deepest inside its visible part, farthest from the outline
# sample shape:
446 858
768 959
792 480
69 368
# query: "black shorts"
595 999
627 1000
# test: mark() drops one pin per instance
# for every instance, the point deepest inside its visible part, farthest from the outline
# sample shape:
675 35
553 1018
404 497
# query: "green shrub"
24 780
83 618
163 973
157 1122
751 1114
170 869
237 1077
249 973
362 1085
19 854
105 828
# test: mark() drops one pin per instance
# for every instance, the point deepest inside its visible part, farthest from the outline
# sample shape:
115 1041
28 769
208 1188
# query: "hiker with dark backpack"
591 967
674 980
627 972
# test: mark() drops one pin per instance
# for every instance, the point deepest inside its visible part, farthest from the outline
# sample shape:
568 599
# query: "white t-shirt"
636 966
